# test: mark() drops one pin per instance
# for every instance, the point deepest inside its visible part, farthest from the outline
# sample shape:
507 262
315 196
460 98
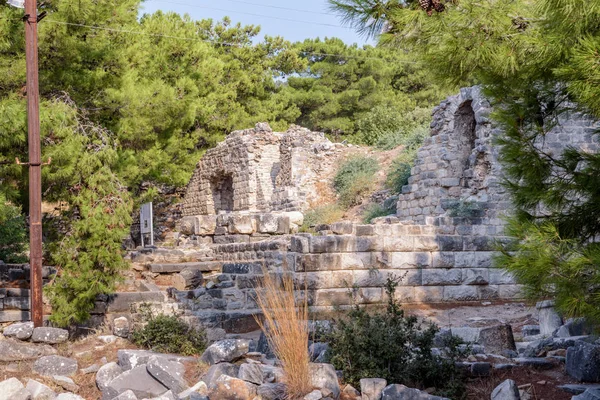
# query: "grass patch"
355 179
326 214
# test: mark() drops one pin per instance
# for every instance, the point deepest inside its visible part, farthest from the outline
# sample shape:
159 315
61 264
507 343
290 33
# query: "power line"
213 42
254 15
268 6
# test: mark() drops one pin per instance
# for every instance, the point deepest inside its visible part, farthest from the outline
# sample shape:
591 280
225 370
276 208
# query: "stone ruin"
246 199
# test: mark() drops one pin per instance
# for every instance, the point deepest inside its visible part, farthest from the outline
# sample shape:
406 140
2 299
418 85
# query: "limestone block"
443 259
507 390
206 225
342 228
405 294
300 244
137 380
465 259
228 388
39 391
241 224
342 279
169 373
476 276
296 217
19 330
106 374
188 225
267 223
399 244
319 262
548 317
429 294
460 293
497 338
371 388
332 244
450 242
440 277
484 259
350 261
367 244
370 296
583 362
313 280
225 351
55 365
425 243
409 260
49 335
500 277
333 297
510 291
489 292
369 278
323 376
10 387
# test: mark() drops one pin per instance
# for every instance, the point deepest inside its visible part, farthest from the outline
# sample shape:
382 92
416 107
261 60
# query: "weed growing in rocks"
285 325
355 179
395 347
169 334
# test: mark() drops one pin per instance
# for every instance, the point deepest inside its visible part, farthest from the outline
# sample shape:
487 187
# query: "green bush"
13 233
398 175
394 347
411 133
169 334
326 214
379 122
377 210
354 179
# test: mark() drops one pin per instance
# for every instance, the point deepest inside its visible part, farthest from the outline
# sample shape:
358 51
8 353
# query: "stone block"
169 373
441 277
139 381
410 260
39 391
10 388
449 242
369 278
225 351
332 244
371 388
129 359
266 223
122 301
507 390
425 243
351 261
333 297
548 317
429 294
227 388
465 259
300 244
510 292
400 244
187 279
252 373
342 279
319 262
19 330
367 243
397 392
241 224
589 394
342 228
460 293
500 277
313 280
323 376
370 296
583 362
215 371
497 338
121 327
476 276
55 365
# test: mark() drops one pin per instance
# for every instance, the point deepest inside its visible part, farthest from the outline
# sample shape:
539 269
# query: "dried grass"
285 325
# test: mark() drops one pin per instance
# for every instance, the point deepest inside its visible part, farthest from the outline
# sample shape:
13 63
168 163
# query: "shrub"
285 325
13 233
354 179
395 347
377 210
398 175
169 334
379 122
411 133
326 214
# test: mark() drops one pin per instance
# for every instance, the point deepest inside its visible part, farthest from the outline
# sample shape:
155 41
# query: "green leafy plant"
398 175
13 233
394 346
326 214
169 334
377 210
355 179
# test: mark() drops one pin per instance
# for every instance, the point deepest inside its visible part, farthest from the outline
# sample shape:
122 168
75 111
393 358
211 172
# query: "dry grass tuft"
285 325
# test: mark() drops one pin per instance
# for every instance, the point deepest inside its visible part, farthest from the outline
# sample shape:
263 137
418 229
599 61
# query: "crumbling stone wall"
258 170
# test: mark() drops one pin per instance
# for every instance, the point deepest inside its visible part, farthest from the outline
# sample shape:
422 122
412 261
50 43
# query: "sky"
293 20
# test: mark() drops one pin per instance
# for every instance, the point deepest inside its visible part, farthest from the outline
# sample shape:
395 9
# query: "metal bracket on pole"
32 164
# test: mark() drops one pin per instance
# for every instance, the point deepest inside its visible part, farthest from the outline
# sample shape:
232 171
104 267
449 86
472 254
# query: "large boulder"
55 365
106 374
15 350
215 372
323 376
39 391
371 388
271 391
227 350
252 373
401 392
497 338
10 388
19 330
139 381
589 394
227 388
507 390
583 362
49 335
169 373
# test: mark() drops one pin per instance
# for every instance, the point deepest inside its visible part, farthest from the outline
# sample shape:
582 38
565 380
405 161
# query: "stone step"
207 266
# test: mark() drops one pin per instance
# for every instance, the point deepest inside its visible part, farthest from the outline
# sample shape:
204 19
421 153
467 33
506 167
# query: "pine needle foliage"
13 233
285 324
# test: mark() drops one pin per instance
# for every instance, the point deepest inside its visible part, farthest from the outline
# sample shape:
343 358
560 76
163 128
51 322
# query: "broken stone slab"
318 352
66 383
314 395
583 362
19 330
122 301
205 266
121 327
128 395
590 394
129 359
323 376
106 374
166 396
228 388
10 388
169 373
199 388
574 327
575 388
15 350
271 391
216 370
534 362
497 338
49 335
55 365
530 330
549 344
91 369
371 388
350 393
39 391
188 279
549 319
252 373
507 390
225 351
138 380
401 392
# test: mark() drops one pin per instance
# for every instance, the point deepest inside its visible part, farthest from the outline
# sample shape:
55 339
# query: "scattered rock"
497 338
538 363
68 396
480 369
66 383
9 388
324 376
39 391
215 334
225 351
507 390
350 393
271 391
314 395
129 359
169 373
199 388
215 372
121 327
128 395
401 392
55 365
251 373
19 330
590 394
49 335
583 362
108 339
137 380
371 388
106 374
318 352
227 388
166 396
91 369
549 319
530 330
271 374
15 350
575 388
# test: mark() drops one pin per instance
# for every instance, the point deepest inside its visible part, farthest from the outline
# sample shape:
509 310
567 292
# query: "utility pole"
35 162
